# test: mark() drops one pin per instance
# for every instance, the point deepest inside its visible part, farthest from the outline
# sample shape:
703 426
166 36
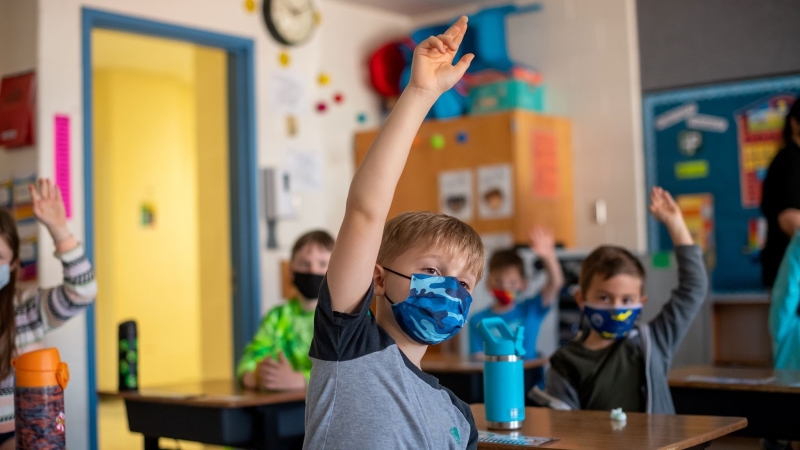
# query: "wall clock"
290 22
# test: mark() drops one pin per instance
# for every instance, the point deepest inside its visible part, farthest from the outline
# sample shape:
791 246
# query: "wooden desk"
218 413
464 376
593 430
768 398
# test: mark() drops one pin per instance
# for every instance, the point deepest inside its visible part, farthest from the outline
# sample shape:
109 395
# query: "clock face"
290 22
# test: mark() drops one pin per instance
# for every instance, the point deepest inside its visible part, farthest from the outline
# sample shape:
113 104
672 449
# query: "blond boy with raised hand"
366 389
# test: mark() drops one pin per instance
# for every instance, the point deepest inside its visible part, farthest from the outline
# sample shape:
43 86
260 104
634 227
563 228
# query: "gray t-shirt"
365 394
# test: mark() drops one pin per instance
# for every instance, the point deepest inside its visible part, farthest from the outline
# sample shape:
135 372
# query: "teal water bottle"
503 374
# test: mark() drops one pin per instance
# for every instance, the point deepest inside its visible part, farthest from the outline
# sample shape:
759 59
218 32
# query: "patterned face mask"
504 298
611 322
435 309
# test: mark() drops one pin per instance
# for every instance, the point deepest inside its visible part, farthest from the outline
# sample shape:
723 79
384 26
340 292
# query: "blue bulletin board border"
651 101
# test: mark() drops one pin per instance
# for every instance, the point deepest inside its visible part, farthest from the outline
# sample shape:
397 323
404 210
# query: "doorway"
171 220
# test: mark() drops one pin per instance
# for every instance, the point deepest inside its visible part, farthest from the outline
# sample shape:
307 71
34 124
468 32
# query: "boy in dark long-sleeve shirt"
618 364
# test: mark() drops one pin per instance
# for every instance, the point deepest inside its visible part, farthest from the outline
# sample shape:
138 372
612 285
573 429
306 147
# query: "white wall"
588 53
18 26
338 48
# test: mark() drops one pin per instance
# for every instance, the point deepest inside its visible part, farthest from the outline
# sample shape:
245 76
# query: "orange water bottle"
41 378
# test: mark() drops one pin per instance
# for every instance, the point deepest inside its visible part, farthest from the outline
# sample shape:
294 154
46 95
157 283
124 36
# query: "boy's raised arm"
675 318
372 189
543 244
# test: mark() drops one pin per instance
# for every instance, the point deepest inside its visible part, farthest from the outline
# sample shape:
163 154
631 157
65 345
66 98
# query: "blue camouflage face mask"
611 322
435 310
5 275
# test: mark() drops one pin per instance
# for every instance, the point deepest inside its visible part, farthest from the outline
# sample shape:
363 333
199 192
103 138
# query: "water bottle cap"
40 368
498 339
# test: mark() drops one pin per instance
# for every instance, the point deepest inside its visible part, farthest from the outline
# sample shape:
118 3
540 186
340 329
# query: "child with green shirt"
277 357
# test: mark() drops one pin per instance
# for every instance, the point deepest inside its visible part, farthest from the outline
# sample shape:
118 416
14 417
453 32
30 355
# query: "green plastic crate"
506 95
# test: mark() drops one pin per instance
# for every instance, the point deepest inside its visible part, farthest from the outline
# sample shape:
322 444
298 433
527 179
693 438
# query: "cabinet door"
469 143
543 174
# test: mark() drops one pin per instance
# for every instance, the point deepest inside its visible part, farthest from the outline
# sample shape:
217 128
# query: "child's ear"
643 299
579 298
379 278
14 265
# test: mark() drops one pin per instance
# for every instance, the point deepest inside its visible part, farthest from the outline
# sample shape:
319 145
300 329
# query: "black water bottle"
128 357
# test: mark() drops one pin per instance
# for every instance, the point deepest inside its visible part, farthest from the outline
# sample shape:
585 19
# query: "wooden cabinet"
740 325
536 146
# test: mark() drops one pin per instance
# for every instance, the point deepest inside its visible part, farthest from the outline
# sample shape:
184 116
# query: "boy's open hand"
664 208
542 241
432 68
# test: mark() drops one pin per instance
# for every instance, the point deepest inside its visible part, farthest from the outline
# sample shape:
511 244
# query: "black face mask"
308 284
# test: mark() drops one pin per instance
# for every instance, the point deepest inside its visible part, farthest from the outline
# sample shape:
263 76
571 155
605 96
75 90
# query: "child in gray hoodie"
620 364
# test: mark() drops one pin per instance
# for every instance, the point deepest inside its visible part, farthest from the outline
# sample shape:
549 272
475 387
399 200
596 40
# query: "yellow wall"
160 139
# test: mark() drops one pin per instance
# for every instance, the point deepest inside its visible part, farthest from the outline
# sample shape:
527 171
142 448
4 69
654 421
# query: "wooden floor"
114 434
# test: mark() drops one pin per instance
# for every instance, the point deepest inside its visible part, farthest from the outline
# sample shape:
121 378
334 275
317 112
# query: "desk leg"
151 443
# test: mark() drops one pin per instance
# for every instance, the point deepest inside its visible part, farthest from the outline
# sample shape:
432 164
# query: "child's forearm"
555 278
62 238
368 202
679 232
374 183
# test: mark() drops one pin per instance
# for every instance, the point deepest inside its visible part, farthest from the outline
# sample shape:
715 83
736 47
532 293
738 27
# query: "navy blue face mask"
435 310
612 322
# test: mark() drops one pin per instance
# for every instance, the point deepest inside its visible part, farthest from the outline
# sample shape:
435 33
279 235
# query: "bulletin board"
711 147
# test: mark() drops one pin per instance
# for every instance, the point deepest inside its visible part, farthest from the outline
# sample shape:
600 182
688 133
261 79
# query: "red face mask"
504 298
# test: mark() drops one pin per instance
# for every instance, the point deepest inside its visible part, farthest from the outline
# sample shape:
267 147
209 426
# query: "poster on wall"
718 140
61 156
287 93
305 170
495 192
759 128
455 194
544 159
698 213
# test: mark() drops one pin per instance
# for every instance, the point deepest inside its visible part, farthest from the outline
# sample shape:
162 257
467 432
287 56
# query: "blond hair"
430 230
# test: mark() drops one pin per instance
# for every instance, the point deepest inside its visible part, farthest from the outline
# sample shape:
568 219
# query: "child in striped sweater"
26 315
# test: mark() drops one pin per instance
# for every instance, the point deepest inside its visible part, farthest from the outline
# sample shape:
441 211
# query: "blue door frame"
243 172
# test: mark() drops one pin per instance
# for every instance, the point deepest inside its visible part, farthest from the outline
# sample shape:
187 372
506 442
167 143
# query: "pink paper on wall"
62 160
544 157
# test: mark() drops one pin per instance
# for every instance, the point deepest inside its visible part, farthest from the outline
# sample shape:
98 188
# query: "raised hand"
432 68
664 208
48 207
542 241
